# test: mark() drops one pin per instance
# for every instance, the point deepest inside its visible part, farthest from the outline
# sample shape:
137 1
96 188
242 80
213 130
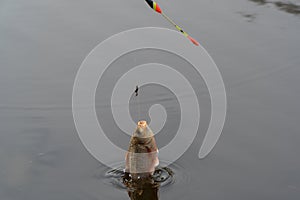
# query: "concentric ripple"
164 177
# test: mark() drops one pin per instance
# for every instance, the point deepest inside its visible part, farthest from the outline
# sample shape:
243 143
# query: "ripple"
163 177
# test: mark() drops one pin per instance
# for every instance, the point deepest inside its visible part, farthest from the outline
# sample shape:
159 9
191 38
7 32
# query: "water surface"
255 44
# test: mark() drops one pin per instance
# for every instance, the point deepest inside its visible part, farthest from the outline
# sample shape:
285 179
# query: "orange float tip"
195 42
158 9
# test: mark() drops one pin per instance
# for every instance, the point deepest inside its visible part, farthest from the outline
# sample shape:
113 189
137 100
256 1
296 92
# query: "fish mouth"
141 127
142 124
142 132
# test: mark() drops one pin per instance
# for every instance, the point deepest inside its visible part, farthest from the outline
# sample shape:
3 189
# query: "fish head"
143 132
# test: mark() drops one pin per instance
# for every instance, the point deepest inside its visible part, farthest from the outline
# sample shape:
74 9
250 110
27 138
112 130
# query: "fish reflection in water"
146 186
143 188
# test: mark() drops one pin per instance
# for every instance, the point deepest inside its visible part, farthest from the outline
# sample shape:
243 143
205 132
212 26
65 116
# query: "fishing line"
136 93
139 108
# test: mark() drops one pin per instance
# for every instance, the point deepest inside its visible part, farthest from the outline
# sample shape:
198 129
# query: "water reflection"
287 7
248 17
261 2
143 186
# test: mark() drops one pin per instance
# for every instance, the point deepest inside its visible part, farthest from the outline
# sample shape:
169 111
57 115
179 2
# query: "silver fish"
142 156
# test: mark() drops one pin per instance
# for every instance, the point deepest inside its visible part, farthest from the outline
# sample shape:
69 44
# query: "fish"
142 156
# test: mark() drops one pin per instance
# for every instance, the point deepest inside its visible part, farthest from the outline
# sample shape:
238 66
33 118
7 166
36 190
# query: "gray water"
255 44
